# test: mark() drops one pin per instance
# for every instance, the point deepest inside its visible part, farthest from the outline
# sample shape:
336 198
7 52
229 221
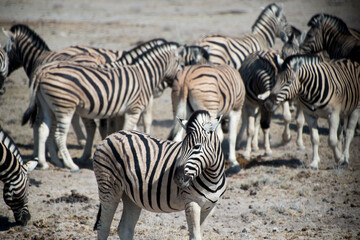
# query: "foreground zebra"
14 174
218 89
330 33
160 176
4 67
258 72
63 88
325 89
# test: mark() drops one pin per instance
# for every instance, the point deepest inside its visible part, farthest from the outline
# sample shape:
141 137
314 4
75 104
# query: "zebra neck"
337 44
31 61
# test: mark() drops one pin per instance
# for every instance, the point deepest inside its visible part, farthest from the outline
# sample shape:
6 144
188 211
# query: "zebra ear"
279 60
8 34
283 36
211 127
182 122
279 12
296 65
29 166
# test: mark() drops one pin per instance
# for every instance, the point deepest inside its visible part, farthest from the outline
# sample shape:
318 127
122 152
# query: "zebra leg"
251 113
300 125
103 128
104 218
129 218
204 216
234 119
350 132
265 126
255 138
43 131
75 122
147 116
62 128
193 217
131 120
287 119
313 125
334 120
51 145
90 127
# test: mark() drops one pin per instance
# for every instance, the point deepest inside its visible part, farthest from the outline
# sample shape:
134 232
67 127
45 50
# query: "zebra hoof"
300 148
234 169
314 168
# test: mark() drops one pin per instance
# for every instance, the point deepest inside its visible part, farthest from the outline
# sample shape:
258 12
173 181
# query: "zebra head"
200 151
271 22
4 67
20 38
175 65
194 55
291 43
16 194
286 83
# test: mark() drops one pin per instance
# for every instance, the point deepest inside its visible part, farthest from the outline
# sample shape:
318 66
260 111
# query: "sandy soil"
274 198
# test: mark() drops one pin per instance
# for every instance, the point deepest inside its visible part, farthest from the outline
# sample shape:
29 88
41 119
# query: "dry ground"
277 198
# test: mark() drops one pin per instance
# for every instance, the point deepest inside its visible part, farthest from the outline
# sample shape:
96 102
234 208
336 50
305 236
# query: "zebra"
14 174
330 33
4 67
218 89
233 51
325 89
63 88
258 72
26 48
160 175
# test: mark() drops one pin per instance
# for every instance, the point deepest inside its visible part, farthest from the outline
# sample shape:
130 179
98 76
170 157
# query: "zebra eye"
197 147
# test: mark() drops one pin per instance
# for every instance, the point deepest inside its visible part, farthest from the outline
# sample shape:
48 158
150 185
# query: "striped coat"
14 174
160 176
328 90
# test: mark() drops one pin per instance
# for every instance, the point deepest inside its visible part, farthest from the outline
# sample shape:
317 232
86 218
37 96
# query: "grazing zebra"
4 67
218 89
325 89
258 72
14 174
233 51
160 176
63 88
330 33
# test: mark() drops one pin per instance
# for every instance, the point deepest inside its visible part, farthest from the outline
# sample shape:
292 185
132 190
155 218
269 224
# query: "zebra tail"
97 223
31 111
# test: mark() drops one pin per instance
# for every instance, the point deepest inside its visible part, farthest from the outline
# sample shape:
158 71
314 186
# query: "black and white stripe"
218 89
160 175
330 33
64 88
14 174
233 51
328 90
4 67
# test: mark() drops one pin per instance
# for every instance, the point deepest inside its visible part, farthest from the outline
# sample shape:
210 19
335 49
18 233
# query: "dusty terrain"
275 198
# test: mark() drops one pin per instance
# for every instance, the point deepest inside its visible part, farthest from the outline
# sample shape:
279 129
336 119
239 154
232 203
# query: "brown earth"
275 198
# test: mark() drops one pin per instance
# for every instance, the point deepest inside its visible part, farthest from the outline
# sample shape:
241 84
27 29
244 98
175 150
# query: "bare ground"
274 198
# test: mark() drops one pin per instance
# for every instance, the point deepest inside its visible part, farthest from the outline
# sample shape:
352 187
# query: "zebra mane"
327 19
129 57
265 14
307 59
31 34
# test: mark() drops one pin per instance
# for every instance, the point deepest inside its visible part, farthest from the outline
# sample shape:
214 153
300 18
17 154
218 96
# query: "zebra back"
14 175
232 51
4 67
331 33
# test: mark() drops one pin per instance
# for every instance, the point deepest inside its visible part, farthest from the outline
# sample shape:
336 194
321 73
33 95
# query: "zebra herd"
218 78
